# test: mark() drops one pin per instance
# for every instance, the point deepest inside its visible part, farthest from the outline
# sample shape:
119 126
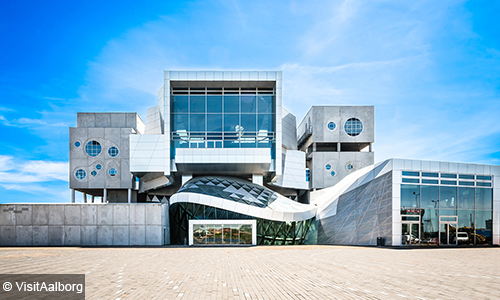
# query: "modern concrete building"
220 161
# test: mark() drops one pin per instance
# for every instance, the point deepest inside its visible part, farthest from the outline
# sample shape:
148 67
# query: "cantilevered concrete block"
40 214
23 215
7 216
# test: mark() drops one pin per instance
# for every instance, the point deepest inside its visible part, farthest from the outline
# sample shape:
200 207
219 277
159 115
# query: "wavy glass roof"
230 188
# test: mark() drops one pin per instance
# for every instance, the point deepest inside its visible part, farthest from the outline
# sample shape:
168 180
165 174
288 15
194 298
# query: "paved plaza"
269 272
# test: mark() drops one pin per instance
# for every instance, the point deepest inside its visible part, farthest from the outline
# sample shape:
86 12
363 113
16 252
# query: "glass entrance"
410 234
448 230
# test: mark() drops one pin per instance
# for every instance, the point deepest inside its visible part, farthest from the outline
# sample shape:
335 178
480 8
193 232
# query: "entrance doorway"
448 230
410 230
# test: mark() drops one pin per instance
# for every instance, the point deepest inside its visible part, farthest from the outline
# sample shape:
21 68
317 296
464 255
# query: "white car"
462 237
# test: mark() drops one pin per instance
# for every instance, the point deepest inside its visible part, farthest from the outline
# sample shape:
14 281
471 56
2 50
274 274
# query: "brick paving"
269 272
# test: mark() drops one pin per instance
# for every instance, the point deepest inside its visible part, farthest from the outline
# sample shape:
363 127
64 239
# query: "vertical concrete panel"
104 215
40 214
89 214
104 235
154 235
72 236
89 235
153 214
121 214
56 235
138 214
72 215
137 235
7 235
40 235
24 235
56 215
23 214
7 216
120 235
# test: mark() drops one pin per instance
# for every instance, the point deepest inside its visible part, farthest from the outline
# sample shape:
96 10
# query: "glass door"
448 230
410 234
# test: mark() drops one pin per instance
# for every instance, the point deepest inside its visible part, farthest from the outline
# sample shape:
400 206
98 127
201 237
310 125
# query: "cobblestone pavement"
265 272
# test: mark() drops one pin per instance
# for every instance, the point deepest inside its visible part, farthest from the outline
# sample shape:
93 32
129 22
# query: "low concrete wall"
83 224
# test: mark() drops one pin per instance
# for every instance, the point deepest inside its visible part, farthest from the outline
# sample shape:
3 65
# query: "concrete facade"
332 153
84 224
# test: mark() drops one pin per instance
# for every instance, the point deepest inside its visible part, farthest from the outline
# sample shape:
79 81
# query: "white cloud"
31 171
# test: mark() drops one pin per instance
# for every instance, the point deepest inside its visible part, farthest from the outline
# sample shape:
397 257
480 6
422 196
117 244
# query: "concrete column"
371 147
72 196
258 179
93 198
84 197
129 196
314 147
185 178
338 147
105 196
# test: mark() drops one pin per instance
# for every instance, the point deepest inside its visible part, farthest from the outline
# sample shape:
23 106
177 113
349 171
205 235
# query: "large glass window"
197 104
248 122
214 122
465 198
430 227
484 198
231 103
214 104
181 122
265 122
410 195
197 122
483 224
265 103
181 104
230 122
248 104
429 196
447 197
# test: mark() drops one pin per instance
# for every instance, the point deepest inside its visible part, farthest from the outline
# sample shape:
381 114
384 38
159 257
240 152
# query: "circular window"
94 173
113 151
349 167
353 127
112 172
331 126
98 167
328 167
80 174
332 173
77 144
93 148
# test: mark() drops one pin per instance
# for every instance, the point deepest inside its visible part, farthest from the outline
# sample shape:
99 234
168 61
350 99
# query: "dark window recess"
326 147
354 147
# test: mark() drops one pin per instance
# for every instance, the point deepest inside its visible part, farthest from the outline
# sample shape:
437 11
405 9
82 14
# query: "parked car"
462 237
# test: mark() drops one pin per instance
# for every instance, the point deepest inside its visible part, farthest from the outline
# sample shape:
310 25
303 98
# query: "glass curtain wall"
222 117
268 232
472 206
222 234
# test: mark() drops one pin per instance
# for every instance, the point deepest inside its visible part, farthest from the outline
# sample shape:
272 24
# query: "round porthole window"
80 174
113 151
353 127
331 125
98 167
328 167
349 167
93 148
94 173
112 172
77 144
332 173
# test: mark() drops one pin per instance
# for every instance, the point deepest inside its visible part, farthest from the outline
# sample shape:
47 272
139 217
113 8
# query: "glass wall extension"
222 117
222 234
268 232
446 215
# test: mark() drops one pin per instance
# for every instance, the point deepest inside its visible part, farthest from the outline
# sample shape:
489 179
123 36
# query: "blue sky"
431 68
